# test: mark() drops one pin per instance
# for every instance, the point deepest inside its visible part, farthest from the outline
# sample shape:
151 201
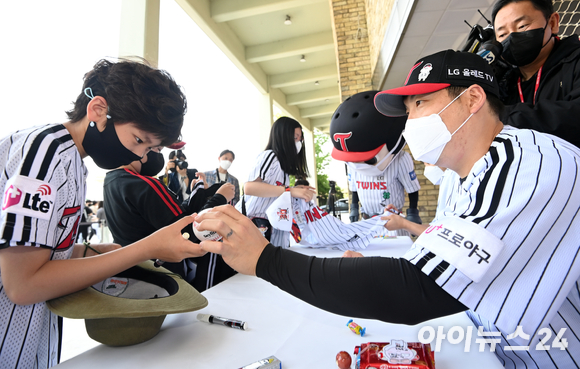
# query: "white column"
310 156
266 119
139 34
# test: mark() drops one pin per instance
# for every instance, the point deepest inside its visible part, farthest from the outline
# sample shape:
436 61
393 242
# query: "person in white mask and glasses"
504 246
221 174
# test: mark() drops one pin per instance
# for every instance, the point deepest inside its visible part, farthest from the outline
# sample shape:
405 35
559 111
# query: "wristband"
286 188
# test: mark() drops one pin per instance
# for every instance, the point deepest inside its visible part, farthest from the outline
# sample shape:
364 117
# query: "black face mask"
522 48
105 148
153 165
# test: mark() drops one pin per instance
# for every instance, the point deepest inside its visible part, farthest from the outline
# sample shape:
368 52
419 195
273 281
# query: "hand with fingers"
168 244
200 177
352 254
242 242
228 191
303 192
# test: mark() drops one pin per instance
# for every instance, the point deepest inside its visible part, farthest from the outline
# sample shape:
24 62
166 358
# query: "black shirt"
136 206
557 104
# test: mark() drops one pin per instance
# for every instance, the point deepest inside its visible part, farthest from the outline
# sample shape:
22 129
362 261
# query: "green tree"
322 161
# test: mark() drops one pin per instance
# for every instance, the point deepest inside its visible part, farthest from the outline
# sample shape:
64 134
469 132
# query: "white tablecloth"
298 334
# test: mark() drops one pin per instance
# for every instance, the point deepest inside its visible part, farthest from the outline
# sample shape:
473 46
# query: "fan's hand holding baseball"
242 244
169 244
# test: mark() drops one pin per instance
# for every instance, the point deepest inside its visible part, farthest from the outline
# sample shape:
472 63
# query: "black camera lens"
182 164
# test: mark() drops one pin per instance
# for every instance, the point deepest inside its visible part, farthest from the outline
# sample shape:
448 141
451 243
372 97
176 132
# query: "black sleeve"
413 200
388 289
198 201
215 200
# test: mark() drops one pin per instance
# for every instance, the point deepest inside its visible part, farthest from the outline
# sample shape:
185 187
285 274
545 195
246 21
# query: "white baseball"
205 235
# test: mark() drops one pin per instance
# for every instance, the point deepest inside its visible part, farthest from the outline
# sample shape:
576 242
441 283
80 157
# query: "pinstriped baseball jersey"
375 193
319 229
43 188
268 169
526 193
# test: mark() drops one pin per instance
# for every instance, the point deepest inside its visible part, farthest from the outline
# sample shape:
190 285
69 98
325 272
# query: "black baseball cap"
436 72
358 131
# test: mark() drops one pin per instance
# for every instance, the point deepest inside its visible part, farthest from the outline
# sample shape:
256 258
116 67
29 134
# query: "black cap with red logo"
358 131
436 72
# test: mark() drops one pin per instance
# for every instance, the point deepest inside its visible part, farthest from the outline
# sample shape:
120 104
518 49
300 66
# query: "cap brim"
390 102
351 156
177 145
92 304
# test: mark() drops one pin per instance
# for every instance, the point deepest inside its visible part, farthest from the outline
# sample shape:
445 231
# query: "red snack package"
396 354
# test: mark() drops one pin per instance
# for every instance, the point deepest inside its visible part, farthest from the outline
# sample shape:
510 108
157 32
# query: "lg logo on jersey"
29 197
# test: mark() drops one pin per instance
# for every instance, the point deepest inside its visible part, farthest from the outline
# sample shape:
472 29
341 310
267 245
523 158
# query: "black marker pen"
237 324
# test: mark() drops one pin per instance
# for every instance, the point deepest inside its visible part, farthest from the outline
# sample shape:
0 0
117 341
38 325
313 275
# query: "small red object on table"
396 354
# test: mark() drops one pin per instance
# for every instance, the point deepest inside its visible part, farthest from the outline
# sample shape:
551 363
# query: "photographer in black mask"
178 176
543 92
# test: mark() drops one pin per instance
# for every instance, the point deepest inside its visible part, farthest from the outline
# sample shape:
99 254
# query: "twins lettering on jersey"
371 185
314 214
29 197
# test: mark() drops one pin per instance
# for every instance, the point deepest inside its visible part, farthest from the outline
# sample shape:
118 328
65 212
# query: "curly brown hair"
135 93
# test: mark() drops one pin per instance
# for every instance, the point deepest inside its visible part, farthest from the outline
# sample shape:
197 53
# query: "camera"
179 161
182 164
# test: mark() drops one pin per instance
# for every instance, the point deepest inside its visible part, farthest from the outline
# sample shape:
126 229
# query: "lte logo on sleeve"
29 197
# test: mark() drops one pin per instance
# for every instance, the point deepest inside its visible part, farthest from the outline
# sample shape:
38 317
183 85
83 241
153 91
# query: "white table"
298 334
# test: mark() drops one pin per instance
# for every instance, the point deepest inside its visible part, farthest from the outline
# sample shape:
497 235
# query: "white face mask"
433 173
225 164
379 167
365 169
386 161
427 136
298 146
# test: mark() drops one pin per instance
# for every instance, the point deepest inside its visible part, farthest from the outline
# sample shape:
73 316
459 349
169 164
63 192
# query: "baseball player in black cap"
504 244
372 144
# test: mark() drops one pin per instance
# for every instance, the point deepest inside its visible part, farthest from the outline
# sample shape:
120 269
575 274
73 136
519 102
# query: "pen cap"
203 317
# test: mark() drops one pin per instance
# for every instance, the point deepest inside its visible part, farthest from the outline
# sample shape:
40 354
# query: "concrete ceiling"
253 35
423 27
